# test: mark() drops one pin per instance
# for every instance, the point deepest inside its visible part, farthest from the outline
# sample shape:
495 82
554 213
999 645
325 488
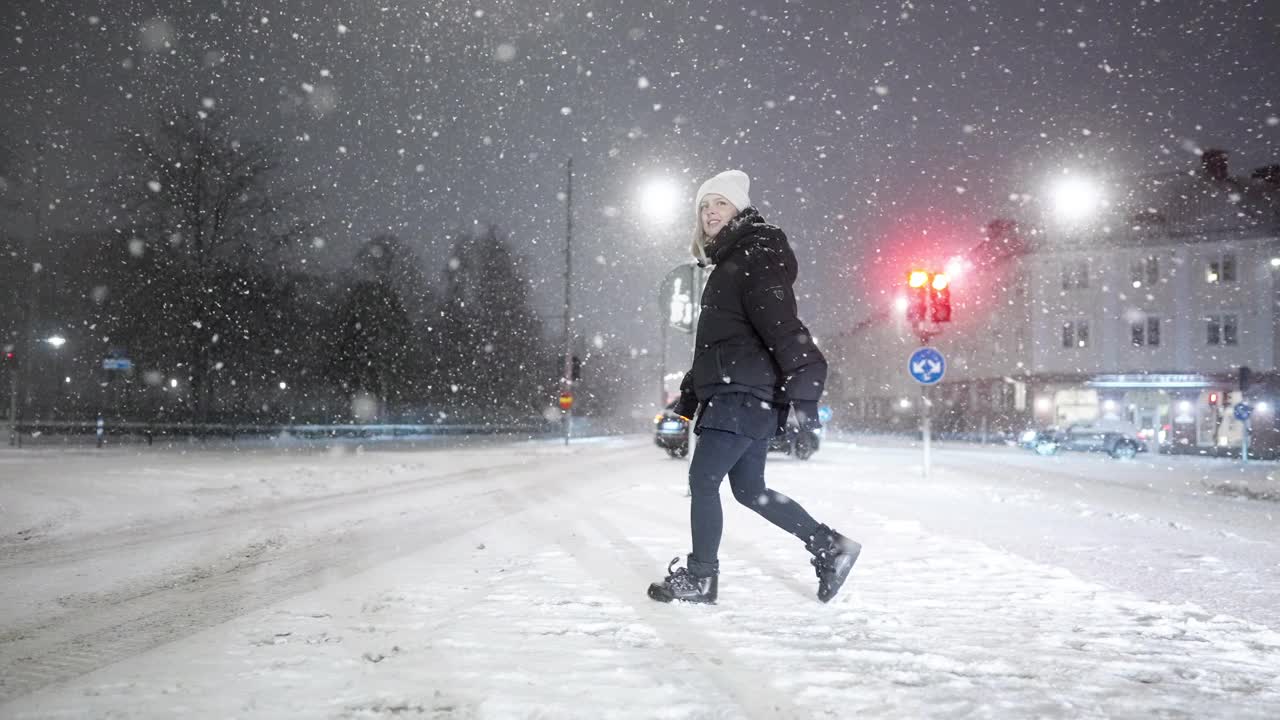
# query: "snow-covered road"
506 581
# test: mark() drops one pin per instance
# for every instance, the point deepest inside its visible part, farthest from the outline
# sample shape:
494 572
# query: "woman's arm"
770 305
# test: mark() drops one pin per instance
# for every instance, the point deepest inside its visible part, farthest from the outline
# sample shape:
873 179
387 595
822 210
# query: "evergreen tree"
391 263
371 352
492 338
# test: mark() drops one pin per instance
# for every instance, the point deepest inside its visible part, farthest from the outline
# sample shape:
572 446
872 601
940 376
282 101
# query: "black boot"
833 558
680 584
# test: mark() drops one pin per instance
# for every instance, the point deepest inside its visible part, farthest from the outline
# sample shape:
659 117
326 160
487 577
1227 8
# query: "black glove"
807 414
687 406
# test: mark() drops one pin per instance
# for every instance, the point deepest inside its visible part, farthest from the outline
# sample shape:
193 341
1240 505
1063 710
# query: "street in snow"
499 580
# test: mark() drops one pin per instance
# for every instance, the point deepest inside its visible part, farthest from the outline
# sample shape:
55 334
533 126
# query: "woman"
753 359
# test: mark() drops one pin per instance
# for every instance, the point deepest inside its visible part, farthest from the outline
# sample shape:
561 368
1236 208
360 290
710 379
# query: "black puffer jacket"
749 338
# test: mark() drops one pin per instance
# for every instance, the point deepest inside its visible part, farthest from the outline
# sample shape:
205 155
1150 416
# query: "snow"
501 580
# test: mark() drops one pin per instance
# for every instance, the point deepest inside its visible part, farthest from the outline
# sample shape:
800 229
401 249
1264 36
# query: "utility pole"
19 387
566 381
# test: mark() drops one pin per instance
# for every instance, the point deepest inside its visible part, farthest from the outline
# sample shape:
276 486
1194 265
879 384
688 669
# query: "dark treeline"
198 276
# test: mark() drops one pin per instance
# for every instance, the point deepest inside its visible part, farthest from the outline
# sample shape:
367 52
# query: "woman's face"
714 212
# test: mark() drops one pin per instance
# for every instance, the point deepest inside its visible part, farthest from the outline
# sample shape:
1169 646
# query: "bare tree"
198 207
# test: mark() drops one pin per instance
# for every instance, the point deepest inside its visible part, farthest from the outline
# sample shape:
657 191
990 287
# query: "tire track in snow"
95 636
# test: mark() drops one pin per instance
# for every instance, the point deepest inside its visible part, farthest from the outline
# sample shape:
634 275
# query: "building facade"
1146 313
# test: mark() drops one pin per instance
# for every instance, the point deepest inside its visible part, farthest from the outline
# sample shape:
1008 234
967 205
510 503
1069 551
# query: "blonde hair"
698 245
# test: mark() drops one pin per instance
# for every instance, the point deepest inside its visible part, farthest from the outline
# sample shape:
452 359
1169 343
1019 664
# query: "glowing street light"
56 340
660 200
1076 198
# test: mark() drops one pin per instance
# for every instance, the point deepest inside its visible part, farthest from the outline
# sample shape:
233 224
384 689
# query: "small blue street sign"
1243 411
927 366
824 413
114 363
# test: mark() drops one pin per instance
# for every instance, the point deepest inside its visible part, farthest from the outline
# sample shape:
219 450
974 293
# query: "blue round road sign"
927 366
824 413
1243 411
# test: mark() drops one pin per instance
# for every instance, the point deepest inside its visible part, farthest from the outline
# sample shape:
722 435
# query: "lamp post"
659 201
19 391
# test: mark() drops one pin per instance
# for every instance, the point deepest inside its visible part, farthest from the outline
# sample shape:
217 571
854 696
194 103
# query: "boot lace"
679 578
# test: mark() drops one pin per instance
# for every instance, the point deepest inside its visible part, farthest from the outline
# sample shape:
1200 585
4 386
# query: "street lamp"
56 341
659 201
658 204
1076 198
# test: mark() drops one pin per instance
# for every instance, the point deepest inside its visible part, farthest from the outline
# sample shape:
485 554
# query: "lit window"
1221 269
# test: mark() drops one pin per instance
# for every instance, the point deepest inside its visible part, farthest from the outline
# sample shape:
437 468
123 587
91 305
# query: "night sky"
865 126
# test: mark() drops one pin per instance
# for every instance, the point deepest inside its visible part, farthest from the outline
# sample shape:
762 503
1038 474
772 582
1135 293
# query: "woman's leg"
747 479
715 453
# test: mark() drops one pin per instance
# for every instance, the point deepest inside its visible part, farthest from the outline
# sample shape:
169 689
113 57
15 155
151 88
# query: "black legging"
719 452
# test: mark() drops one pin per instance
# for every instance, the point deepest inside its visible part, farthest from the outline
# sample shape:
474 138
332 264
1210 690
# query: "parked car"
799 444
671 433
1117 438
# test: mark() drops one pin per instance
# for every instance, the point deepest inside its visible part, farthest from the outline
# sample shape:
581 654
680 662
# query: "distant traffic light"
1213 398
941 298
928 296
10 359
918 296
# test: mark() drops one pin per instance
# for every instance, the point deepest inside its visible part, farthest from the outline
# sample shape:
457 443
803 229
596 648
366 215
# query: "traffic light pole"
926 334
566 382
1244 442
14 438
926 431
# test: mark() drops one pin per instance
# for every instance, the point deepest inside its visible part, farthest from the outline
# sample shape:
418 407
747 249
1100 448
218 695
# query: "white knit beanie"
735 186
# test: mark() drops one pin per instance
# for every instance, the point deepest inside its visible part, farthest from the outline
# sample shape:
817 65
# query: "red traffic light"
929 296
1213 398
940 303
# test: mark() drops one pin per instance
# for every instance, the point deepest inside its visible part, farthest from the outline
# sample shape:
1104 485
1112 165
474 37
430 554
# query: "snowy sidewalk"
543 615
